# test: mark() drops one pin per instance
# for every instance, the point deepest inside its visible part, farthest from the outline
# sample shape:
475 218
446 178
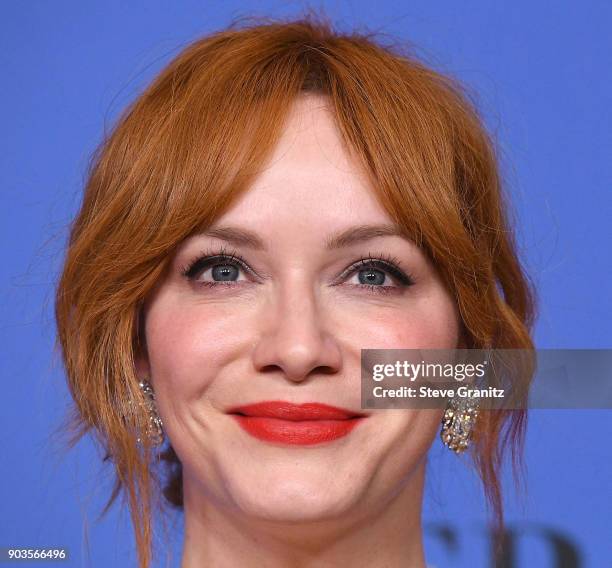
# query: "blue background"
542 74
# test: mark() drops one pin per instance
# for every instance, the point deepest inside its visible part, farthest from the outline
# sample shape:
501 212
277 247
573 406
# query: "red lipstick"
298 424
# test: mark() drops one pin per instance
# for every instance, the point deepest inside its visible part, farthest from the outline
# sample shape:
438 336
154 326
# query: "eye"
221 272
216 269
371 276
378 275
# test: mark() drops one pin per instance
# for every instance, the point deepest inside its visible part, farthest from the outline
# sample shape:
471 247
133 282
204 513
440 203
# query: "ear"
141 358
463 337
141 367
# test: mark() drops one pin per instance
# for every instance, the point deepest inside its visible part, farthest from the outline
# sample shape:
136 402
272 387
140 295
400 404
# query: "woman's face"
288 325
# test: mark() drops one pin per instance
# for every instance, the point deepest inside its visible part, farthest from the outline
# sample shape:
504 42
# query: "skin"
294 332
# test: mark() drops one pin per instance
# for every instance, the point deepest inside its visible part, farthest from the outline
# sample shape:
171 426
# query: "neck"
216 537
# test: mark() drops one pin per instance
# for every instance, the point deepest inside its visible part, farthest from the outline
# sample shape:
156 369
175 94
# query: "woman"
279 198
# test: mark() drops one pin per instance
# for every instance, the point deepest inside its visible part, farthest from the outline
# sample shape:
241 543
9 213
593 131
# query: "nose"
293 338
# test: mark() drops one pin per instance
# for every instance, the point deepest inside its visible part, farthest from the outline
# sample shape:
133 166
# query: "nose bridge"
297 302
294 337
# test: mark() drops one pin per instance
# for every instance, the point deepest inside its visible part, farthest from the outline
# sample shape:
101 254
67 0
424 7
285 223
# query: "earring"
154 429
458 422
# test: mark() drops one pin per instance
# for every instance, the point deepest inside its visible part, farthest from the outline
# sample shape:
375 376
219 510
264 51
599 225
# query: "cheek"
418 430
432 326
423 323
187 344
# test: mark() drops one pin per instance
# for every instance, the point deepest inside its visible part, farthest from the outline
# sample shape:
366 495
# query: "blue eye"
225 272
224 268
377 275
372 276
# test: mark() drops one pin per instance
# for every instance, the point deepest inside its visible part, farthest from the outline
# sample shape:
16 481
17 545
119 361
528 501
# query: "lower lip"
299 433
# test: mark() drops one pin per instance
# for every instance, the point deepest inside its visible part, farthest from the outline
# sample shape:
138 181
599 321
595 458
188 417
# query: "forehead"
310 175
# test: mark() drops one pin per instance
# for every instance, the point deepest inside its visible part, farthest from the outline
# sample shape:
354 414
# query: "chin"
295 498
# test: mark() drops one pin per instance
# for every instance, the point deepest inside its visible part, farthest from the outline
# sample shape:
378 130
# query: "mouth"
296 424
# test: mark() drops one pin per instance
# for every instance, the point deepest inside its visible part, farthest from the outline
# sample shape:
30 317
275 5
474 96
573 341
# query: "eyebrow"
345 238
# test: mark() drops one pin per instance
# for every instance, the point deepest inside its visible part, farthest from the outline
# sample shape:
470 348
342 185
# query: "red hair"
194 141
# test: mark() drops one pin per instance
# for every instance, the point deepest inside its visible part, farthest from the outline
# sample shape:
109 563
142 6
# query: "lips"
297 424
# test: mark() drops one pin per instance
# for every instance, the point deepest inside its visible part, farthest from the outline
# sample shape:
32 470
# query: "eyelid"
387 264
208 258
382 262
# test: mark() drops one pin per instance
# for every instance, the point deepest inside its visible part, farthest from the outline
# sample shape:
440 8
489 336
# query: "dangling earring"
458 422
461 413
154 429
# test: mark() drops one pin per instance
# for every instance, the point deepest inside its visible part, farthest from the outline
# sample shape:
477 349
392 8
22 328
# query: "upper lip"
290 411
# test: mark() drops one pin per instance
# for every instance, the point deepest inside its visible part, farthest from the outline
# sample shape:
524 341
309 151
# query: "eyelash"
382 262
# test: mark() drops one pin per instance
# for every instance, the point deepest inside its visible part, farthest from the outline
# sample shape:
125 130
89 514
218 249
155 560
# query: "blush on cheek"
434 324
426 330
173 343
188 344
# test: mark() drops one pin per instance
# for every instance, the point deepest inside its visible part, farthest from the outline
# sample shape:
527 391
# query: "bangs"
205 128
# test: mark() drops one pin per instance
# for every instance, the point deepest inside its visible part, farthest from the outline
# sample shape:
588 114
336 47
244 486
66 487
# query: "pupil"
371 276
224 272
